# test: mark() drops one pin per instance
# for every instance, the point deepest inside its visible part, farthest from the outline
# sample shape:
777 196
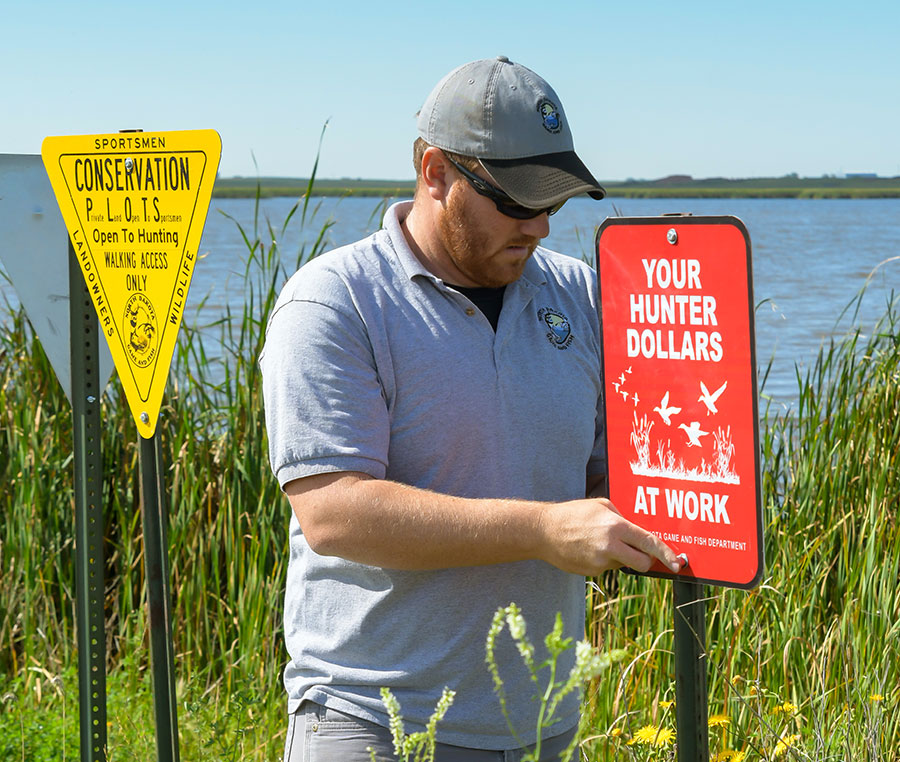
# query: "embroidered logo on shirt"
560 333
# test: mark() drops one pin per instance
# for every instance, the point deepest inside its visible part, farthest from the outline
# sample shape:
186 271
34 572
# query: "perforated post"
690 672
154 514
89 524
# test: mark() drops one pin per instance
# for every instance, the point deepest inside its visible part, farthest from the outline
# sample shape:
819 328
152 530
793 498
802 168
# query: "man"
433 407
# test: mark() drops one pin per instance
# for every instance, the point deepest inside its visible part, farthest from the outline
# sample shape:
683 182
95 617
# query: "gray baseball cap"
512 121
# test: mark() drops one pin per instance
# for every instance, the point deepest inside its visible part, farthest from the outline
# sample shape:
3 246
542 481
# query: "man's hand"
590 536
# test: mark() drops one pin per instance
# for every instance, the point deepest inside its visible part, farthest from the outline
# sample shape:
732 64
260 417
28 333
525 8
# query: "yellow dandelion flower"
753 690
729 755
665 737
784 744
666 704
786 708
719 721
644 735
651 735
876 697
615 732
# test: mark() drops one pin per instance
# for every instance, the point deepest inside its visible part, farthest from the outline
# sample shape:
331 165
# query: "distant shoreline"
671 187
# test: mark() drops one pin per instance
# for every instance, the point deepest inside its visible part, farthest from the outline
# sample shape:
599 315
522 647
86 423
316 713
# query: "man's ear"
435 168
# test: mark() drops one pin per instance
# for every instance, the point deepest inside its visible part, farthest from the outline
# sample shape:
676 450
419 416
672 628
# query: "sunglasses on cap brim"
502 200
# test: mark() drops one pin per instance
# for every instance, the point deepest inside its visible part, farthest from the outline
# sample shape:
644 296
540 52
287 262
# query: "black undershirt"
488 300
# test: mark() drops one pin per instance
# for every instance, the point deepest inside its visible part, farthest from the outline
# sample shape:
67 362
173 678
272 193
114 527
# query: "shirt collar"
393 218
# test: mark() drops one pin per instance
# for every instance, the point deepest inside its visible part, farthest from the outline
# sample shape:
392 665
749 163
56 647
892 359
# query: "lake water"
810 259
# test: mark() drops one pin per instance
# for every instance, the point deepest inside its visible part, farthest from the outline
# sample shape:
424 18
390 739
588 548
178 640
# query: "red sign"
679 365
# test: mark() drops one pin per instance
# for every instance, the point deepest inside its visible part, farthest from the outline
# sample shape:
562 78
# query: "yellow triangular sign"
135 205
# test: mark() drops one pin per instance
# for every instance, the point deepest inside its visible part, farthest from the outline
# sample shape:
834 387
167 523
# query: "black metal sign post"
88 481
690 672
154 516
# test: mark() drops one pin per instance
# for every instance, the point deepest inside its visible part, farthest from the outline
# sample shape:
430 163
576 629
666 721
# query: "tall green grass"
820 633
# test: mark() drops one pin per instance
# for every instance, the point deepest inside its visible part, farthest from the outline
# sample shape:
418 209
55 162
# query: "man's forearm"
384 523
392 525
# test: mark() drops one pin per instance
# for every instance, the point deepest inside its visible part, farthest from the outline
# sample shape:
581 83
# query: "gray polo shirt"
373 364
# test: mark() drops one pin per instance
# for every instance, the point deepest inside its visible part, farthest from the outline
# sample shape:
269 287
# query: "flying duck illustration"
693 432
710 399
666 412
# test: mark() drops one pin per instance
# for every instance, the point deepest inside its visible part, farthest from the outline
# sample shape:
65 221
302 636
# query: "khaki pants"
319 734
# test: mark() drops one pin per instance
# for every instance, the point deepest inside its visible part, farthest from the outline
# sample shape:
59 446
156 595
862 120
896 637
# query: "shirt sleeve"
324 405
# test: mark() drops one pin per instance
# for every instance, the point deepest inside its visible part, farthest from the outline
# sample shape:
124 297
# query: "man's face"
488 248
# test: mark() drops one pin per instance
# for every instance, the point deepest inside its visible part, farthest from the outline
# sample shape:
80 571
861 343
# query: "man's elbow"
321 539
317 503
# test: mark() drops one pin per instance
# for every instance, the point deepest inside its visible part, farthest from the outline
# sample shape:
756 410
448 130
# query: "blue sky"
650 88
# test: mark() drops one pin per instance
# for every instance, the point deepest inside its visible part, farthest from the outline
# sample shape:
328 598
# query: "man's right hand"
590 536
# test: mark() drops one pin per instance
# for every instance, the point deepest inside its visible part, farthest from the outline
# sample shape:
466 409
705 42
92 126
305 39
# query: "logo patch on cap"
549 116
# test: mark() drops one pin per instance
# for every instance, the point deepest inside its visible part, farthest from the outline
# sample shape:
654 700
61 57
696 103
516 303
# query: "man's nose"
536 227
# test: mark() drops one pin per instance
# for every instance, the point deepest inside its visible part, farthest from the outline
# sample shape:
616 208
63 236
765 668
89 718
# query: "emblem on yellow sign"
135 205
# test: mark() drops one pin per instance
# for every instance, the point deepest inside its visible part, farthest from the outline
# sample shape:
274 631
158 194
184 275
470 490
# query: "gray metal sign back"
34 250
